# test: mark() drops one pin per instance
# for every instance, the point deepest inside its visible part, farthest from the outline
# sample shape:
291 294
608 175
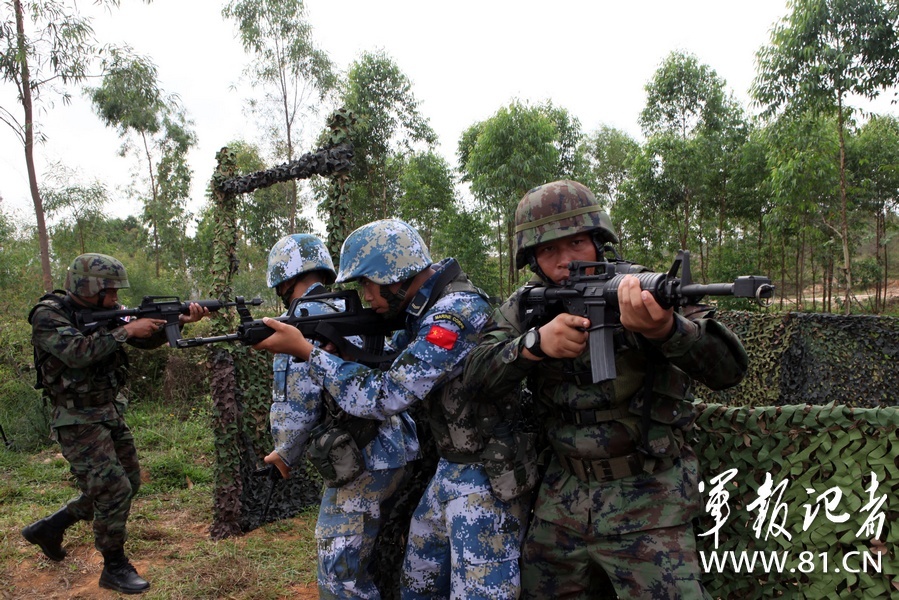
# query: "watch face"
531 339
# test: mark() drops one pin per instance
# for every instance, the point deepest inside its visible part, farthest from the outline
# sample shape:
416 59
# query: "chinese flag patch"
444 338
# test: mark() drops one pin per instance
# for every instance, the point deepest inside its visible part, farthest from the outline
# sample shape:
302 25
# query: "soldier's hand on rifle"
641 313
143 328
564 337
275 459
197 312
286 340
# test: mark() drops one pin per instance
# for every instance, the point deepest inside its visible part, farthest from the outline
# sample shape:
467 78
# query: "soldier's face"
371 293
110 299
553 257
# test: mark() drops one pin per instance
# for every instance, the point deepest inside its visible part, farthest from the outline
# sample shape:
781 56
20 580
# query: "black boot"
47 533
119 575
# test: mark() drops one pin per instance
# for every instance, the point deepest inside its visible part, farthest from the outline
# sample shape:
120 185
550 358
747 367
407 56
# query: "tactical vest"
641 416
93 385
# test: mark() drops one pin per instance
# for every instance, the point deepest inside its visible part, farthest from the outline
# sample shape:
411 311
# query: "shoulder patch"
442 337
449 318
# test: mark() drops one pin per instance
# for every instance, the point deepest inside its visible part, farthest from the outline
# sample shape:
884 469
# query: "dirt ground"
76 577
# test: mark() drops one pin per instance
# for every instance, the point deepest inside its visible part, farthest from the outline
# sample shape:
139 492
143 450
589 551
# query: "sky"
466 59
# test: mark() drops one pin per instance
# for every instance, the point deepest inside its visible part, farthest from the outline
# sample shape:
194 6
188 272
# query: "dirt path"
35 577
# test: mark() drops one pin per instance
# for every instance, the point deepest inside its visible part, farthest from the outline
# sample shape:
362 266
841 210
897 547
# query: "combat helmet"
384 252
556 210
91 273
295 254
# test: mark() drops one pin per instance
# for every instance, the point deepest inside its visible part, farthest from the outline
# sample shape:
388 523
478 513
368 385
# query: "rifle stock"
595 296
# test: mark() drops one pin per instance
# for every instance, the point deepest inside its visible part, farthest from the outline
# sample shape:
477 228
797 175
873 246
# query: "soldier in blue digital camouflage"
614 509
82 371
464 538
371 455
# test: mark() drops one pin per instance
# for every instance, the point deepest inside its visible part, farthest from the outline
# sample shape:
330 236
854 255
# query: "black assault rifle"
155 307
596 297
334 327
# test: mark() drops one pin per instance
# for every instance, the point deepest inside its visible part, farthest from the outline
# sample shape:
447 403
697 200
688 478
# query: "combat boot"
48 532
119 575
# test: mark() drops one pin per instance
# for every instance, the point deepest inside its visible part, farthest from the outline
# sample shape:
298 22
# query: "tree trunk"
844 217
43 239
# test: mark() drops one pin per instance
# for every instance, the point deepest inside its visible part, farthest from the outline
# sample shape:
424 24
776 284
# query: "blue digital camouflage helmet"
296 254
384 252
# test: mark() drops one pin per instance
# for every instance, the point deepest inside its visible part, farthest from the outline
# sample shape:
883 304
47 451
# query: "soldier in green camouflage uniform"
614 510
82 371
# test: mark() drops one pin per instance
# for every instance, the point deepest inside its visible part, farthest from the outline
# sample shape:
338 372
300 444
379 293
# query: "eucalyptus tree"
389 127
820 55
426 192
608 154
803 185
81 207
295 75
45 45
873 157
686 121
156 131
502 158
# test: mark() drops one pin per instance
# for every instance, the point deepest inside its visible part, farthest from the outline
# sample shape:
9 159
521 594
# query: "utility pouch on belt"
667 415
510 460
335 454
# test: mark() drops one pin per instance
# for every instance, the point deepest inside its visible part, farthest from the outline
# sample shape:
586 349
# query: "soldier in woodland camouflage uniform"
352 513
464 540
82 372
615 506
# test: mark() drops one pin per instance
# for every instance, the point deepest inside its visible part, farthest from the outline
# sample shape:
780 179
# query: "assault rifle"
155 307
334 327
595 296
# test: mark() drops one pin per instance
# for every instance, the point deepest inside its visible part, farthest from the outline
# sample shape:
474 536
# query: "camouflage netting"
814 358
811 450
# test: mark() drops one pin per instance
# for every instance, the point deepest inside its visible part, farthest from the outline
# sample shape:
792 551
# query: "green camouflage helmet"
557 210
93 272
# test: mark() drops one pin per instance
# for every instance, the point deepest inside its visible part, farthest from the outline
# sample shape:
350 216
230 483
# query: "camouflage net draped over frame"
808 448
814 358
324 161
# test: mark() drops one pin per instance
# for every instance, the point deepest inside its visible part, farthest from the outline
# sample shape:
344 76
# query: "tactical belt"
610 469
592 417
462 458
78 401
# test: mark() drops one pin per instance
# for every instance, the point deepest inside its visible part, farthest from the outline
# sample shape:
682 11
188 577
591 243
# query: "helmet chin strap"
287 296
394 301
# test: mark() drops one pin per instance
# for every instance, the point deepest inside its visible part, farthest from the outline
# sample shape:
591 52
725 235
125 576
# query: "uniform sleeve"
58 336
296 398
707 351
296 408
440 342
496 366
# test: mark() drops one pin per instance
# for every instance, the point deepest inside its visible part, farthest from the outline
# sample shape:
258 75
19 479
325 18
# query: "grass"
168 527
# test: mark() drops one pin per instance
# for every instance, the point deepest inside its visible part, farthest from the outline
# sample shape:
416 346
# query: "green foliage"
426 192
511 152
802 453
293 73
389 126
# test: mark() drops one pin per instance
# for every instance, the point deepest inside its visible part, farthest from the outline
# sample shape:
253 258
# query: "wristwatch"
532 342
120 335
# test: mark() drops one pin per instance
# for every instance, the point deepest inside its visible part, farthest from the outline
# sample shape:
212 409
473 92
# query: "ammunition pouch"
335 448
670 413
510 461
